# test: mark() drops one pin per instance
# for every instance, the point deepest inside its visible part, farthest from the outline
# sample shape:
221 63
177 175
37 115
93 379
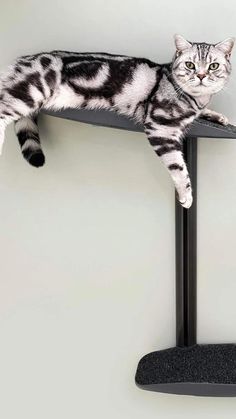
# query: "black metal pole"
186 256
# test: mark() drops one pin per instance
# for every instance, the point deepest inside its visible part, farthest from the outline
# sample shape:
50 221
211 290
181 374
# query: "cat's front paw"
215 117
186 200
222 119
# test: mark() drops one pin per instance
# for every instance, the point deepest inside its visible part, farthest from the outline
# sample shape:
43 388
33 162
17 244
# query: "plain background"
87 242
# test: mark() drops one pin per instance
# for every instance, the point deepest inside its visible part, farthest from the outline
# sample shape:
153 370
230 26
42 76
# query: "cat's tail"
27 132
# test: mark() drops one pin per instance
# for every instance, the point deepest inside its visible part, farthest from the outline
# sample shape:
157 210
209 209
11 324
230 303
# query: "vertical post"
186 256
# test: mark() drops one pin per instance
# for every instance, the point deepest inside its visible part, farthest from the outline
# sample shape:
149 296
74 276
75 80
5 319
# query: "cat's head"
201 68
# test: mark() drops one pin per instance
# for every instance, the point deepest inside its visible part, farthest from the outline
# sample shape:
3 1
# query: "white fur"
30 144
143 80
98 103
181 43
36 94
2 130
64 97
25 124
226 46
173 133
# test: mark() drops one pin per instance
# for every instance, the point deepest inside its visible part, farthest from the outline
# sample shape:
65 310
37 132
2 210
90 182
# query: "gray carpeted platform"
208 370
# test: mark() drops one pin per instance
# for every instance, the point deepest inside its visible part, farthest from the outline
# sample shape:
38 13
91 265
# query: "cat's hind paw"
187 200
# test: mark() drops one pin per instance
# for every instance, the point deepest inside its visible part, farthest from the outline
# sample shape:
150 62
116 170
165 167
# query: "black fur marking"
73 59
35 79
36 159
149 125
161 141
120 73
45 61
24 63
175 166
84 105
50 78
84 70
166 105
108 58
164 150
81 54
21 91
17 113
7 113
25 135
18 69
171 122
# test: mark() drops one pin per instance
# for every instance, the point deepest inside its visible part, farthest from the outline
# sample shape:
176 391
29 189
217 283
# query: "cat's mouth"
200 82
197 87
202 85
200 89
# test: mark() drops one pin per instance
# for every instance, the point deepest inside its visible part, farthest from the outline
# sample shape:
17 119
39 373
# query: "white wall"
87 242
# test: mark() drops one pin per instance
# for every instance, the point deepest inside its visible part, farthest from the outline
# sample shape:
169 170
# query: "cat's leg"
214 116
2 134
7 115
19 107
167 144
26 130
26 88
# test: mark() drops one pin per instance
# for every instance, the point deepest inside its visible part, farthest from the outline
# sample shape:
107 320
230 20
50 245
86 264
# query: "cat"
165 98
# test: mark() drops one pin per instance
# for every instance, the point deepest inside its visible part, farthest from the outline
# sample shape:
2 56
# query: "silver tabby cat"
165 98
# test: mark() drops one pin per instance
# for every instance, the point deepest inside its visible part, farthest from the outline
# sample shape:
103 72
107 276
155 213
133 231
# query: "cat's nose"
201 75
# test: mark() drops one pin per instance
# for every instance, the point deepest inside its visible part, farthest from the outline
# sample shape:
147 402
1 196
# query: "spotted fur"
165 98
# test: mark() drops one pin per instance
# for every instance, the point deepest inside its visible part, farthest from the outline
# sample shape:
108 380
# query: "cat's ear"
226 46
181 43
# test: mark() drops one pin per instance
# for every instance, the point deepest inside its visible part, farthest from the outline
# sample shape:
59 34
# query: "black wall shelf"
187 368
200 128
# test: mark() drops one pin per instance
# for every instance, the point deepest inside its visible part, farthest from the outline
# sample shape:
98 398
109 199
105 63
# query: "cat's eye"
190 65
214 66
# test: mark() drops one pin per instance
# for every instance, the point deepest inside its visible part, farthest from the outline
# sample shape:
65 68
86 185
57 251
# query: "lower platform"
200 370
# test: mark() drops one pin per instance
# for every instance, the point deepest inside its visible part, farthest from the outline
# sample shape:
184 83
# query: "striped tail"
28 135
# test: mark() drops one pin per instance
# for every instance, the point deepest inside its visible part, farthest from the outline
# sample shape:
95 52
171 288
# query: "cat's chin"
202 90
199 92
